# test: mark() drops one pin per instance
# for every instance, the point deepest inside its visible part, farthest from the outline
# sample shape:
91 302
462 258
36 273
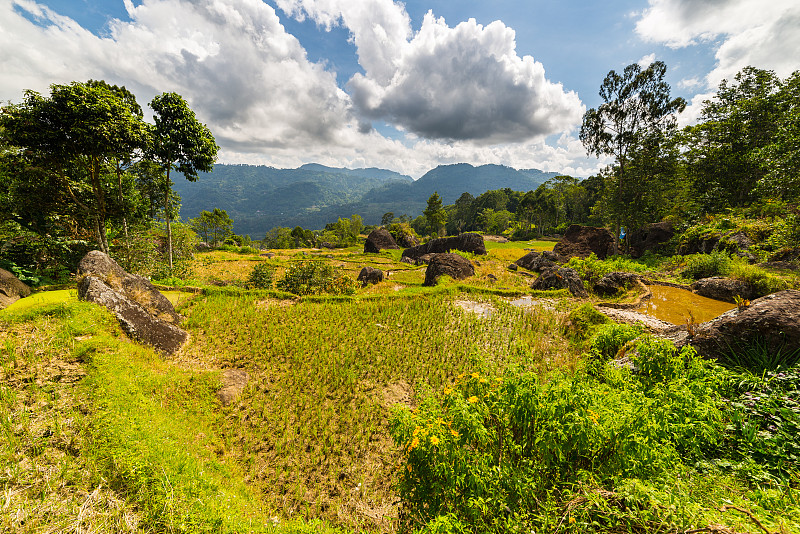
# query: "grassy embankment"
100 433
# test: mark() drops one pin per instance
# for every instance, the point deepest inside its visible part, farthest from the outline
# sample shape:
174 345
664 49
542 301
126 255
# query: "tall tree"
74 136
435 215
180 142
740 119
637 111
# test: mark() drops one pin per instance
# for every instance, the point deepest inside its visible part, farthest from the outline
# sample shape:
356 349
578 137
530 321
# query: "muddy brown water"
674 305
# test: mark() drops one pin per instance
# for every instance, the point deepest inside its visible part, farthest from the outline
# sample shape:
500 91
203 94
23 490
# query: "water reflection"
673 305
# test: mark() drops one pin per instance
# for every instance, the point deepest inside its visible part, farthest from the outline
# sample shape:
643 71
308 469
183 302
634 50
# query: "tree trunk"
167 190
124 220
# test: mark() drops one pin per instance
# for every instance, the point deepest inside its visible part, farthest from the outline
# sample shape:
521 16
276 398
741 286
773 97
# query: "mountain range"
259 198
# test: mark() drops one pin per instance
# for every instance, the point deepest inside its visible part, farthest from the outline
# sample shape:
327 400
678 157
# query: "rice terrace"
399 267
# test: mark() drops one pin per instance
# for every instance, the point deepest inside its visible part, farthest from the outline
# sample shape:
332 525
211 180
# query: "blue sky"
399 85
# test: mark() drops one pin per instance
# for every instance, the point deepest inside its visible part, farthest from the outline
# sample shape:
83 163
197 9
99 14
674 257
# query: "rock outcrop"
652 237
370 275
581 241
538 261
773 321
615 283
561 278
142 311
11 289
725 289
379 239
464 242
452 265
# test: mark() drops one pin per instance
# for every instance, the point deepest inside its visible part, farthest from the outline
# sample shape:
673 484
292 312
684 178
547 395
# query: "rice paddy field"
399 408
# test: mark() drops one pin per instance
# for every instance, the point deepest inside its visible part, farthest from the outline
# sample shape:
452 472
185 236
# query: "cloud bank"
749 32
462 83
459 94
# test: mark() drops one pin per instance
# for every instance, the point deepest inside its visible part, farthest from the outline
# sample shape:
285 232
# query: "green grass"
307 446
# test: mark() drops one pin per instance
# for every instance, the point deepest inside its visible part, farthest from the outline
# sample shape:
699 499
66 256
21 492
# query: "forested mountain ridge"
259 197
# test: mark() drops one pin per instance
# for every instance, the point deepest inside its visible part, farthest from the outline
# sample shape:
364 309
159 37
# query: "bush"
706 265
582 320
314 277
261 276
499 453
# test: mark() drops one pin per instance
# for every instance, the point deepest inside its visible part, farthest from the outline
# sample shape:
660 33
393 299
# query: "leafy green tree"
180 142
780 157
73 138
636 112
279 237
718 152
435 215
213 226
387 218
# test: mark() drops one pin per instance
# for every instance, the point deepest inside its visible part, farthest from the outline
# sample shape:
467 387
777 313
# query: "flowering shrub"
490 451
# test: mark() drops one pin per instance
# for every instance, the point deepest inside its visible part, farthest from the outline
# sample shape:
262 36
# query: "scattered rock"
581 241
370 275
378 239
202 246
233 383
268 255
398 393
464 242
11 288
773 320
538 261
513 267
495 238
615 283
133 318
561 278
452 265
143 312
725 289
653 237
406 259
325 244
132 286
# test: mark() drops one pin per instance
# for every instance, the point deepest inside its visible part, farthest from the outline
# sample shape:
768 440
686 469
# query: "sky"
398 85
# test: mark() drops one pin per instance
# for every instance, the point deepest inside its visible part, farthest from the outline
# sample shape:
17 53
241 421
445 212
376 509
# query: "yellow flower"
413 444
455 434
475 375
434 440
473 399
447 391
483 381
416 431
571 520
439 421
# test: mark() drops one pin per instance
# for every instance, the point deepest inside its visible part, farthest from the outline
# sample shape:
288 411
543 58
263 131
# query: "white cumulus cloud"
460 83
762 34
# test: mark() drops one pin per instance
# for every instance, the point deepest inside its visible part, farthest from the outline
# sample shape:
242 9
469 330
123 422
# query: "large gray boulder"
142 311
581 241
132 286
370 275
538 261
652 237
11 289
464 242
725 289
773 321
562 278
379 239
452 265
615 283
135 321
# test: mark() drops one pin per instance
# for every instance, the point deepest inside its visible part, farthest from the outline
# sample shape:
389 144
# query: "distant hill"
259 198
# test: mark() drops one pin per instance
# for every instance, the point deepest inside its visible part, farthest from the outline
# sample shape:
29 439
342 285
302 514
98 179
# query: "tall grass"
311 432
